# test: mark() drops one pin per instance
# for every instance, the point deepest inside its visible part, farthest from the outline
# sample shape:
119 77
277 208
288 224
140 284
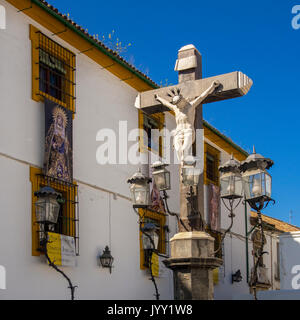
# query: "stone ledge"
194 235
201 263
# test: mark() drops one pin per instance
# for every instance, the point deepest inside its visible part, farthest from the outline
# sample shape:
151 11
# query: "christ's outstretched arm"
195 103
165 102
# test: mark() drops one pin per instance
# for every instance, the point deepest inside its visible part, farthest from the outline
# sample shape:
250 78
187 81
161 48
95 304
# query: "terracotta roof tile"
279 225
98 42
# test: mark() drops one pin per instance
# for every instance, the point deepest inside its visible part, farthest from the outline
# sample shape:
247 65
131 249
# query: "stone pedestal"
192 261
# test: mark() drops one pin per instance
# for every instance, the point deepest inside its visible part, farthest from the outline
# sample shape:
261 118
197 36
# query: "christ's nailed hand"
217 83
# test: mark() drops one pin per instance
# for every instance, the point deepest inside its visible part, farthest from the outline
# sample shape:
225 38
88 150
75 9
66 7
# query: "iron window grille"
57 72
159 219
147 252
162 243
68 219
152 140
211 167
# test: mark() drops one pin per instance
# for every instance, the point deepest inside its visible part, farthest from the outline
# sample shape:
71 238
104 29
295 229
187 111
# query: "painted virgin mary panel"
157 203
59 142
214 207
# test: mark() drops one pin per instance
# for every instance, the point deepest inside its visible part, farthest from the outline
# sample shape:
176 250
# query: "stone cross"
191 86
192 249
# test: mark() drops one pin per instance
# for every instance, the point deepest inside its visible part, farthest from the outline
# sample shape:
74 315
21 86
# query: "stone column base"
192 261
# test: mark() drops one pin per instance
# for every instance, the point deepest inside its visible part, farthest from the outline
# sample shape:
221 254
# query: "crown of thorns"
174 93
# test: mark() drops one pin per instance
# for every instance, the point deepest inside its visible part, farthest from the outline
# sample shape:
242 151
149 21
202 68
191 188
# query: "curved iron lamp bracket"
153 250
231 215
54 266
165 199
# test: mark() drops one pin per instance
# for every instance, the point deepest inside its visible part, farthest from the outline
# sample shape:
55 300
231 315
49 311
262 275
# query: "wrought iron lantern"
140 190
46 207
231 180
106 259
190 174
150 236
256 180
161 176
231 190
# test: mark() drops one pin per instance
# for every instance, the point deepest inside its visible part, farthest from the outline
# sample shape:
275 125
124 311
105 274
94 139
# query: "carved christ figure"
185 111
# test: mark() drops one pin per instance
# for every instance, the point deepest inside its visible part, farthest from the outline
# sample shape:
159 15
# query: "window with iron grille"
151 127
53 71
211 165
68 220
159 219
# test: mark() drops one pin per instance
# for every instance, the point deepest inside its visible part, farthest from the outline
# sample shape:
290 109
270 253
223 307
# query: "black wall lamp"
106 259
237 277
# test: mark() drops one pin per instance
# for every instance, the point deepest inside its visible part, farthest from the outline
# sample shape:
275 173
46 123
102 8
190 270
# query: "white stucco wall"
290 261
102 100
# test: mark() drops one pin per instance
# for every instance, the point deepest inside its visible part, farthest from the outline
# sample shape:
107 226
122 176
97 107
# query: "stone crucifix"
192 250
185 112
185 99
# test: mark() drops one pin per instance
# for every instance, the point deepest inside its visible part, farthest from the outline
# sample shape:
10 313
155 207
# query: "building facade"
68 121
39 66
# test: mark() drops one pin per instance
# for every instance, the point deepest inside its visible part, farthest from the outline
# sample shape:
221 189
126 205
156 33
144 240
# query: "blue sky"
254 37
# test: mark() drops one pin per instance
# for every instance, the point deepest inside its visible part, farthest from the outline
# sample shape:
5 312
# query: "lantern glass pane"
156 239
47 210
140 194
191 176
268 181
257 184
40 210
52 210
162 179
231 185
106 261
146 241
254 187
246 187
